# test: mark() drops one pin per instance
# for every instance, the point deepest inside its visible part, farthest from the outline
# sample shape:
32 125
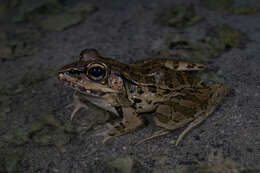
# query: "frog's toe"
77 104
106 133
106 139
156 134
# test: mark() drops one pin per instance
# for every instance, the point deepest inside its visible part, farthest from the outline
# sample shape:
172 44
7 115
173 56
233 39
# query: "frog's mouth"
85 86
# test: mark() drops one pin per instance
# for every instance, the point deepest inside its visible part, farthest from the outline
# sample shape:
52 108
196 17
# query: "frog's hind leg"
216 93
173 116
165 121
156 134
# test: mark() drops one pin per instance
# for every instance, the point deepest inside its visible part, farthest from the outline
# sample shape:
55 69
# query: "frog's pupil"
96 71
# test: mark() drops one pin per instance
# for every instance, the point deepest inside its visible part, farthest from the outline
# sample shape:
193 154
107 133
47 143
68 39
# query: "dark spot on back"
111 134
179 78
119 110
148 69
166 91
152 89
122 125
149 79
170 85
126 68
145 121
176 66
139 90
149 101
134 106
191 65
176 44
137 100
132 88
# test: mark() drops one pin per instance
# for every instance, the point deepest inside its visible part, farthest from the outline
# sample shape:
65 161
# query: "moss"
49 131
3 36
10 159
215 163
50 136
2 118
45 131
200 50
216 4
120 165
3 8
225 37
181 16
52 15
226 5
59 22
5 52
19 43
245 10
33 77
228 36
50 120
250 170
33 10
13 3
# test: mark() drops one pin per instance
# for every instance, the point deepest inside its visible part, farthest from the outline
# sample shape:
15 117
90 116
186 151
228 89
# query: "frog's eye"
97 72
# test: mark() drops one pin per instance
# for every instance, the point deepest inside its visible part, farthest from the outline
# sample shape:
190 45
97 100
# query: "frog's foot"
156 134
194 123
129 123
105 132
219 91
112 131
173 127
77 104
167 124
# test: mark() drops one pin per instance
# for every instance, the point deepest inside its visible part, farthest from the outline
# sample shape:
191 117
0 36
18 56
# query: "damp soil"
36 133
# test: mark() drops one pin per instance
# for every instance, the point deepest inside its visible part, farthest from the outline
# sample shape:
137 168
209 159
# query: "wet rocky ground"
38 37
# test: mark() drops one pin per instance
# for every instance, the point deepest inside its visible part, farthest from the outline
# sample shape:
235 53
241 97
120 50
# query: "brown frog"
167 87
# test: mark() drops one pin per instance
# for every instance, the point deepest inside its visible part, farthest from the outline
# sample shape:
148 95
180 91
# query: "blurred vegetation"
216 4
245 10
228 5
10 159
220 39
180 16
121 165
31 19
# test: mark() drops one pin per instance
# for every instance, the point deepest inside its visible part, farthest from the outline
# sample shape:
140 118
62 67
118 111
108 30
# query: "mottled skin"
167 87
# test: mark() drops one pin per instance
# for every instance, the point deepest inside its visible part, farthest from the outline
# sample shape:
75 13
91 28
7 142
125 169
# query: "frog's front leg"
77 104
131 120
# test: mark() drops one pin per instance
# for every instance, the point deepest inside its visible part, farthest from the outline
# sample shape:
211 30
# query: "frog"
167 88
